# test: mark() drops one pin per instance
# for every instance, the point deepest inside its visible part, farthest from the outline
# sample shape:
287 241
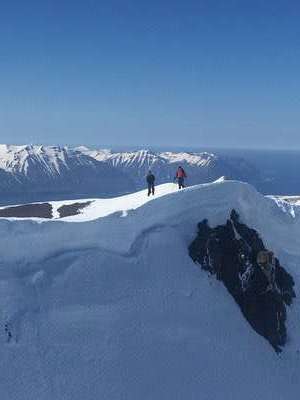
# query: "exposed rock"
38 210
230 251
72 209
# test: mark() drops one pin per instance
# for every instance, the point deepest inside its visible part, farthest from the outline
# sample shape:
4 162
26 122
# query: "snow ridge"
109 304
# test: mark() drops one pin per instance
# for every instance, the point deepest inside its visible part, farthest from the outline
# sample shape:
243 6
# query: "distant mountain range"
37 173
33 173
200 167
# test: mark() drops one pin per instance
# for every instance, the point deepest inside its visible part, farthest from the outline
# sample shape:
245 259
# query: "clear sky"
150 72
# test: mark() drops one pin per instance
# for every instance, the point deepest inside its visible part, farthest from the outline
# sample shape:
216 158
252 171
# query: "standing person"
180 175
150 181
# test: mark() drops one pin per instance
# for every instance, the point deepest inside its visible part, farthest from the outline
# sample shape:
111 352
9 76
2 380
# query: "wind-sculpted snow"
108 304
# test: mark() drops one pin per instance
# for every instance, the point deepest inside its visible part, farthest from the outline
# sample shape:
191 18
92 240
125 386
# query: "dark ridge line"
42 210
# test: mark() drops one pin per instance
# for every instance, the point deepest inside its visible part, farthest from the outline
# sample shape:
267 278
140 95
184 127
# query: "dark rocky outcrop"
69 210
230 252
38 210
42 210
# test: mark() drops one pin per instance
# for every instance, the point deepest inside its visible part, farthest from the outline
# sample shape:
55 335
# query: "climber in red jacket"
180 175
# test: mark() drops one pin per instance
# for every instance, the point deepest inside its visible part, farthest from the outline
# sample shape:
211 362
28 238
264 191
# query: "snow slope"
109 305
103 207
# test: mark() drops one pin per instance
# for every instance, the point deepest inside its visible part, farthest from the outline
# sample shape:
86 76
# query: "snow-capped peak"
198 159
17 159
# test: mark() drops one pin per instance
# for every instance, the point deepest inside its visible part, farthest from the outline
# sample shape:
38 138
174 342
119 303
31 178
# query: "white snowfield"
108 304
103 207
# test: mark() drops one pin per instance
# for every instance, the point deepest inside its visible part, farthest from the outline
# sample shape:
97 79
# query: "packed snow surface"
103 207
108 304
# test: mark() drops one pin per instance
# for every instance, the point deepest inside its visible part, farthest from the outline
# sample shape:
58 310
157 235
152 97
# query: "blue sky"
150 73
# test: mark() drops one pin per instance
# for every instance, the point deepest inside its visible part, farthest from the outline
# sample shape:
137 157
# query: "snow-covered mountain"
108 303
200 167
34 173
37 172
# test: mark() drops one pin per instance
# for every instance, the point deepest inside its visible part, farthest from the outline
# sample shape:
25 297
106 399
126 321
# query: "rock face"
230 252
38 210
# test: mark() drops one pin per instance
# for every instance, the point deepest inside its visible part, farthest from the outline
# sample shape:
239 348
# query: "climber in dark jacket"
150 181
